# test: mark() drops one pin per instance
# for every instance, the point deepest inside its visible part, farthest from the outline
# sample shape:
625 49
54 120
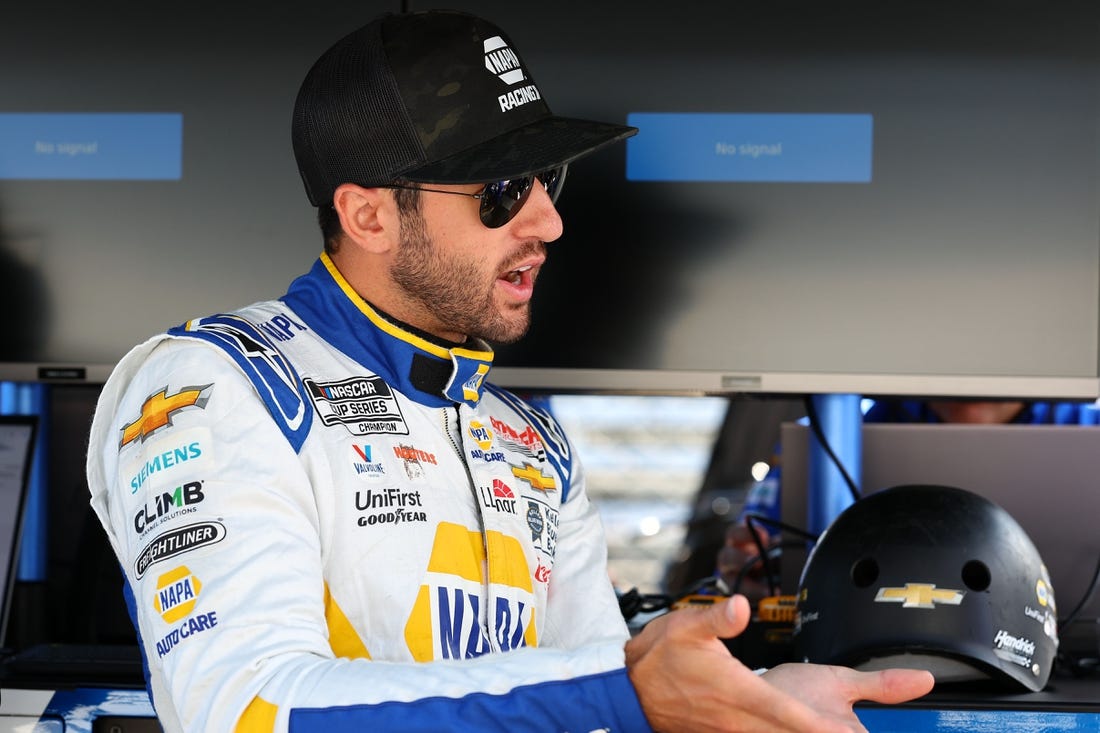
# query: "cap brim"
548 143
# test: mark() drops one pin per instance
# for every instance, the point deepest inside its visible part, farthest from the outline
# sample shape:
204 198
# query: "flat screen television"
883 198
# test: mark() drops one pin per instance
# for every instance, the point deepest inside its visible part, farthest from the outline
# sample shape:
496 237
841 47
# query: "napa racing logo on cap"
919 595
157 411
503 63
363 405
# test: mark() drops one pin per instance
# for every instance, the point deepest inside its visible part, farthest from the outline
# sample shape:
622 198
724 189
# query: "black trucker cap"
434 97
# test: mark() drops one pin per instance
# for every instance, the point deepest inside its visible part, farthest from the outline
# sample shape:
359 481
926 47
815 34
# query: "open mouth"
518 275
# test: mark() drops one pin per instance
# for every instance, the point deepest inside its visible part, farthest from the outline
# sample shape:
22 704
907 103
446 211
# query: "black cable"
1072 616
751 517
632 603
815 425
764 555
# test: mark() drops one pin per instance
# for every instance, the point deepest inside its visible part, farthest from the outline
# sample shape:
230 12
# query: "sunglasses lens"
553 180
502 200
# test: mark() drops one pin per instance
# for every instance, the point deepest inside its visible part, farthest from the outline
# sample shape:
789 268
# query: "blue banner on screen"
93 146
790 148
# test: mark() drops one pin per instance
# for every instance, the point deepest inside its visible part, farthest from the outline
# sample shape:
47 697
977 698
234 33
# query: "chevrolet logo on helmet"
919 595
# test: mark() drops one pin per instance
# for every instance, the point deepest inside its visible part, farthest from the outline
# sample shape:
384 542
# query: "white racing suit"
329 522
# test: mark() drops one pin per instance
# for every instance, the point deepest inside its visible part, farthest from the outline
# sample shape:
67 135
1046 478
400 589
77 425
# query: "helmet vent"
864 572
976 575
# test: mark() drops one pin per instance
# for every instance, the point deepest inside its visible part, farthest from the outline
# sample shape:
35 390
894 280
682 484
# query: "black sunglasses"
502 200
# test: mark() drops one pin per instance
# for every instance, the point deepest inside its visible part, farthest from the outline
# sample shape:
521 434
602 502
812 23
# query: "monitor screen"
859 197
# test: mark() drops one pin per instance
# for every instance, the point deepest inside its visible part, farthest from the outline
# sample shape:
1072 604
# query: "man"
329 519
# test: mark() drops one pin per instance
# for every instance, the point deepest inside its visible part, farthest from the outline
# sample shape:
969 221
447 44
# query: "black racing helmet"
929 577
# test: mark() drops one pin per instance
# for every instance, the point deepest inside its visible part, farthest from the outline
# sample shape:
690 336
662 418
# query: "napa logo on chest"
481 435
177 592
467 605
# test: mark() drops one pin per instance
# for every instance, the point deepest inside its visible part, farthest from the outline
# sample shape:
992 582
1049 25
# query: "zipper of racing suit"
455 436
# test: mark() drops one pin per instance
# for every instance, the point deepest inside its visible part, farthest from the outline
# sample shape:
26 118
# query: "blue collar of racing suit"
423 368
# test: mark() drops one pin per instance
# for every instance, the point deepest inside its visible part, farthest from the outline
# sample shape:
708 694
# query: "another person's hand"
687 680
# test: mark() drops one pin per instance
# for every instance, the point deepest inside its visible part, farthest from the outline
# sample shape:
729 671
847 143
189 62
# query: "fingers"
891 686
728 618
723 620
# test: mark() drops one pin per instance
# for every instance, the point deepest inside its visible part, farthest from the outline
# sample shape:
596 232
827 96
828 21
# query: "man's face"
465 279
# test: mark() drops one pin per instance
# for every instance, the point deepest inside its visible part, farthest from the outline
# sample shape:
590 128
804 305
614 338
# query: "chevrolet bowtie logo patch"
158 409
919 595
536 478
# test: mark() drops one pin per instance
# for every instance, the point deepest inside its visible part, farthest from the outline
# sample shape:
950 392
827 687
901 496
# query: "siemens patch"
363 405
159 462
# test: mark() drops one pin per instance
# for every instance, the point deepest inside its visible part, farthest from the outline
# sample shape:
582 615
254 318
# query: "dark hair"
407 200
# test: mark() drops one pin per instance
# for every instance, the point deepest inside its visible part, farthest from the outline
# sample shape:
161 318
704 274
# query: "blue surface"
78 709
906 720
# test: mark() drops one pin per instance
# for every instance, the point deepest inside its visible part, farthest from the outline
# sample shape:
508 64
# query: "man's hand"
687 680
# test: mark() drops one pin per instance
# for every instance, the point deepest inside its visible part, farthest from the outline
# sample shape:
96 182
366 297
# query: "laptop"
17 435
49 665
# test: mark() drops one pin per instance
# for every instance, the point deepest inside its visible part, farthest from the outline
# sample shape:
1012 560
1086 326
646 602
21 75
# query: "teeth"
516 276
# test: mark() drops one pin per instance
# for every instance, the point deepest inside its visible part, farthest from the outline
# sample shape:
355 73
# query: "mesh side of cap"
350 125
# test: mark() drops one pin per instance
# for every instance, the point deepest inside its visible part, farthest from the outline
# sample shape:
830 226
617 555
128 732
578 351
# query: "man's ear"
368 216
